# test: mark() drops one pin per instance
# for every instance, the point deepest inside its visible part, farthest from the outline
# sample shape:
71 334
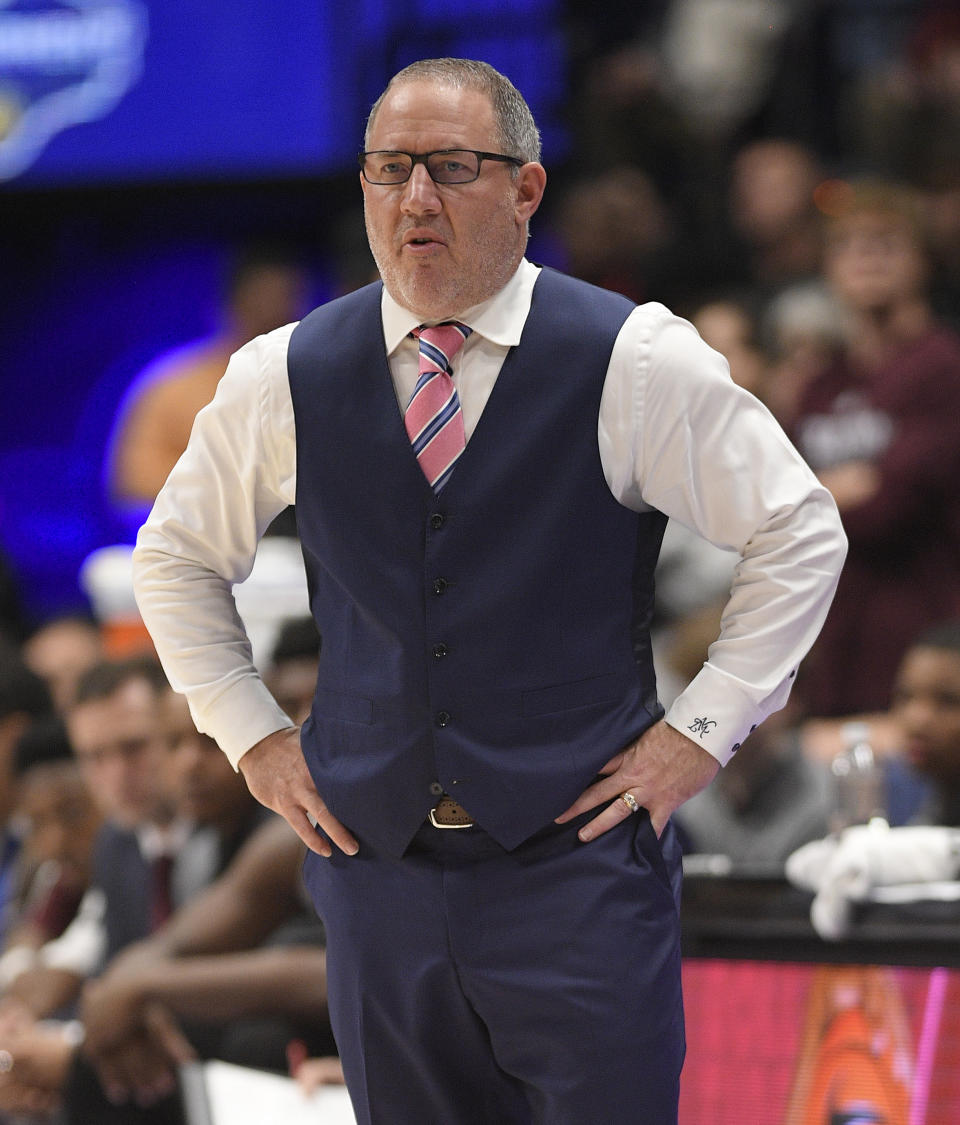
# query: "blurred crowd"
783 173
787 176
151 912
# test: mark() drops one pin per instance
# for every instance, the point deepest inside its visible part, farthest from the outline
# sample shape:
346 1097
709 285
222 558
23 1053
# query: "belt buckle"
432 817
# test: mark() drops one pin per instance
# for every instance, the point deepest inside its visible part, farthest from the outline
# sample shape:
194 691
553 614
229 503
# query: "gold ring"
630 801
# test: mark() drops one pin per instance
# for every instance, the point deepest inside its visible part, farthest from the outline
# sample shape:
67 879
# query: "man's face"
442 248
926 703
293 683
61 818
60 653
873 262
204 786
120 747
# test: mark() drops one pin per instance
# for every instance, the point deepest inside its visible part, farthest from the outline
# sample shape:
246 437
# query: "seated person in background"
61 650
926 704
174 811
170 796
114 726
218 965
24 700
292 676
769 800
206 791
266 289
842 870
59 820
247 946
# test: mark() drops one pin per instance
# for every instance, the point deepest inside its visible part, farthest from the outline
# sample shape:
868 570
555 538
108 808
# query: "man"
237 963
265 288
239 949
60 821
484 629
24 701
173 821
115 727
205 791
926 704
843 870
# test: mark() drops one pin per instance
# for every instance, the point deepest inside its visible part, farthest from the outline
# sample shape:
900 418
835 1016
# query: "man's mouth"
428 238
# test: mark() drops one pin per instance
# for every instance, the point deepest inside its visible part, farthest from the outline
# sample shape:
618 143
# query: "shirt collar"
499 319
156 841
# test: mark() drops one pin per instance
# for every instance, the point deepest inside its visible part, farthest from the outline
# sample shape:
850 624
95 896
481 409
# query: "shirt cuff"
241 716
718 711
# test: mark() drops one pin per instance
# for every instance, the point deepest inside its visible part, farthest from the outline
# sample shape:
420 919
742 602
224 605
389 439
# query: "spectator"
59 821
292 676
618 233
115 728
266 290
926 703
214 967
61 650
843 869
773 216
23 700
174 805
881 426
206 791
219 961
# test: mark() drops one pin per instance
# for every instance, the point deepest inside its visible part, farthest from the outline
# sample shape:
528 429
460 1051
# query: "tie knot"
439 343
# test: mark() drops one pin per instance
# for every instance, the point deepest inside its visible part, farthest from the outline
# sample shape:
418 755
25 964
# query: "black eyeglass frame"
422 158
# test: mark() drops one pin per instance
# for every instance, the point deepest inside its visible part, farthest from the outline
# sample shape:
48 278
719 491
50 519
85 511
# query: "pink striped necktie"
433 418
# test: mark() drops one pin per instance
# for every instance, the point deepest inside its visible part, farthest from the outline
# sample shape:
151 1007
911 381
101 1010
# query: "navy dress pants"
469 985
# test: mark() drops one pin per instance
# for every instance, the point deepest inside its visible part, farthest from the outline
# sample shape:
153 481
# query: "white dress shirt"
674 432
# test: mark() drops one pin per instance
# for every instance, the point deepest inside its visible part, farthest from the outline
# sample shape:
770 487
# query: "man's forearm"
288 981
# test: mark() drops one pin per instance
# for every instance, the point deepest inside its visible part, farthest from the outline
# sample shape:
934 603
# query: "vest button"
443 717
439 651
439 585
437 520
436 789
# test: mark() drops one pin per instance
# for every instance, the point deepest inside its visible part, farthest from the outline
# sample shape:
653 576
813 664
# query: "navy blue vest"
490 642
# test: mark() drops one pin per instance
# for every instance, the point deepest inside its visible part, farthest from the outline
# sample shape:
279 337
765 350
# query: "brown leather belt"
447 813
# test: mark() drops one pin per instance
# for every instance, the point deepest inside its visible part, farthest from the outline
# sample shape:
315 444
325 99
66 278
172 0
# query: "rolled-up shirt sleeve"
237 474
676 434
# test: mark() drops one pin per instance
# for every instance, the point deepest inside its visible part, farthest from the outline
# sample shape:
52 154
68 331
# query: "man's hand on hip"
661 770
277 775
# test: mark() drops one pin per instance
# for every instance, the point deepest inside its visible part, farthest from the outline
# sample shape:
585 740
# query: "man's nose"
420 195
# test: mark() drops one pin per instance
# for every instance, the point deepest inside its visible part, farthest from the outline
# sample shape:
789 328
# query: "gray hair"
517 132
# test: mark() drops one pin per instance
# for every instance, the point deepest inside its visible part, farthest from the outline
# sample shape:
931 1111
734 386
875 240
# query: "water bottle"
858 781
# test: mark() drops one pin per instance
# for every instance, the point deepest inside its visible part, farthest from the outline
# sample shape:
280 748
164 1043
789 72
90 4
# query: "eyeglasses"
445 165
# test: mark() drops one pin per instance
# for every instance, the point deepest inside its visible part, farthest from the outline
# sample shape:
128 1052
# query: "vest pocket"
571 695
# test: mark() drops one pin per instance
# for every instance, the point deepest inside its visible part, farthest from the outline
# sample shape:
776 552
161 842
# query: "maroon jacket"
903 568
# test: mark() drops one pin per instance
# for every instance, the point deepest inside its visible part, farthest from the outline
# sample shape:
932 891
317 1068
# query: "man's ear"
530 183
